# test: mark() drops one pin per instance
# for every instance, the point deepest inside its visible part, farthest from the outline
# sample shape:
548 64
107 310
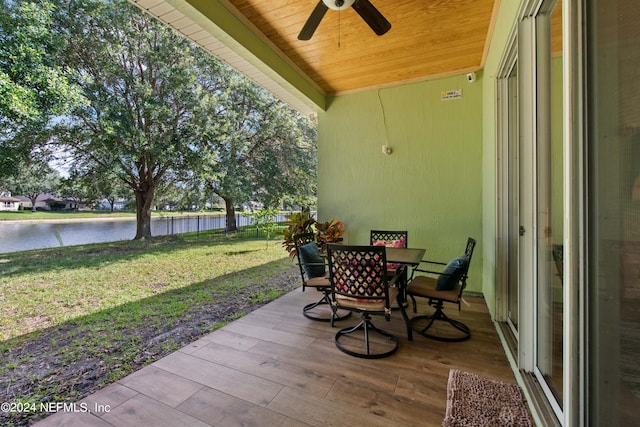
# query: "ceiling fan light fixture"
338 4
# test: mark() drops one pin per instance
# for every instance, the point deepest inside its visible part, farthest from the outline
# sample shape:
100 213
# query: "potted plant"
329 232
297 223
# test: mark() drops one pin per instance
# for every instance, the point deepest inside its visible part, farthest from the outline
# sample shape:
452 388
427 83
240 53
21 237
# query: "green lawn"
74 319
42 288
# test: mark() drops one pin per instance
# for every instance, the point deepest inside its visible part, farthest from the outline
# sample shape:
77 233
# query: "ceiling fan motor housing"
338 4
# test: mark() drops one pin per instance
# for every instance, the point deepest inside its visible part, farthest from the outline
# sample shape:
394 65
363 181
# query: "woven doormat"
476 401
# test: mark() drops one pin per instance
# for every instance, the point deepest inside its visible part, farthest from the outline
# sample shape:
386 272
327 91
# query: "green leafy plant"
329 232
297 223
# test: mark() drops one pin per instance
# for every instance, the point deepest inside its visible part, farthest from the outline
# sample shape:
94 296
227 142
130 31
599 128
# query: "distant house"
8 203
48 202
40 203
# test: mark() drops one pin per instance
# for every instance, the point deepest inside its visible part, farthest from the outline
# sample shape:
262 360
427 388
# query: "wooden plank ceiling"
428 39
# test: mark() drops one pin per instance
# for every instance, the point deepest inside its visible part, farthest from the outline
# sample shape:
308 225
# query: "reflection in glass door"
549 208
613 232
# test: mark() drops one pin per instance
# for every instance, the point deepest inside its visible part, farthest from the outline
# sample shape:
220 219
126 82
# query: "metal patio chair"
439 287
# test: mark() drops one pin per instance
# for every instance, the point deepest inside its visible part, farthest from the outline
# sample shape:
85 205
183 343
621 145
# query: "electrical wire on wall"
384 119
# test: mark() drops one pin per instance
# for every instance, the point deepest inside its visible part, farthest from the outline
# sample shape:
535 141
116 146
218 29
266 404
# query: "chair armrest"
438 273
324 262
312 263
431 272
417 268
433 262
303 264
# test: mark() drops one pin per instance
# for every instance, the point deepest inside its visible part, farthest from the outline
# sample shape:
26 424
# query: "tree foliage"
34 87
261 150
264 220
145 95
88 187
32 180
131 100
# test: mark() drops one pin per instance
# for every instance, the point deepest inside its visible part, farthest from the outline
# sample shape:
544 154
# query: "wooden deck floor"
274 367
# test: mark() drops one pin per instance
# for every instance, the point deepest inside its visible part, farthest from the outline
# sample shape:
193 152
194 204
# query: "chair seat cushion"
452 273
318 282
424 286
366 304
311 260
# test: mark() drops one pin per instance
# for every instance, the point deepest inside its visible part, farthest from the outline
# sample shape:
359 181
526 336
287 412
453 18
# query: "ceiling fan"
365 9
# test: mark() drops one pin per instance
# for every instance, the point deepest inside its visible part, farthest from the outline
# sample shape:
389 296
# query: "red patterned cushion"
399 243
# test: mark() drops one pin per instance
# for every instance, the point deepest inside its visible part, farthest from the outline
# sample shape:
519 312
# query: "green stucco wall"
430 185
440 181
505 23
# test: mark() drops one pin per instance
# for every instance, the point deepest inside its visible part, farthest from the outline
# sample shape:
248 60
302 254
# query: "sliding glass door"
613 211
531 117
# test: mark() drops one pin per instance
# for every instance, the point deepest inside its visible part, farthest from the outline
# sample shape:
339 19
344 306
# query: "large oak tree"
261 150
145 96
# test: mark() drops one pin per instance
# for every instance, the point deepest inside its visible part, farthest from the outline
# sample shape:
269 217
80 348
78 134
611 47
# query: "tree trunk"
144 199
33 198
231 215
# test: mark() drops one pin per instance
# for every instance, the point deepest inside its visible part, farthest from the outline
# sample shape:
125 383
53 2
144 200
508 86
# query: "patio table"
407 256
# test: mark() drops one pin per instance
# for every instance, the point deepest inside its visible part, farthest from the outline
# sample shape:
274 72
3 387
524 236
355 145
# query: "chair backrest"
471 244
389 237
300 240
358 272
303 239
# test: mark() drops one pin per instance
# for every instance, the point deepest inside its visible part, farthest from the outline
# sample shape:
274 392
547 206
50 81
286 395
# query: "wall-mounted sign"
448 95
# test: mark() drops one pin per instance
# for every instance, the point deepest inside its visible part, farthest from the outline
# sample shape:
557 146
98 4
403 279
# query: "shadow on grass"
101 254
69 361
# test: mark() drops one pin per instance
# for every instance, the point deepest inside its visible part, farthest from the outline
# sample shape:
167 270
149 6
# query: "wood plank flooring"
275 367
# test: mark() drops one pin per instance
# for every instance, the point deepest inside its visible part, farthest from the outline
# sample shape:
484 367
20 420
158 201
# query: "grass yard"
74 319
45 215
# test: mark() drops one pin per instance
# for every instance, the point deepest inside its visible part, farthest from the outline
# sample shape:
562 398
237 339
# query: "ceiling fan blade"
372 16
313 21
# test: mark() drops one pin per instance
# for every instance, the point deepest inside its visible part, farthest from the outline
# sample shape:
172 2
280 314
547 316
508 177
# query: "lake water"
22 236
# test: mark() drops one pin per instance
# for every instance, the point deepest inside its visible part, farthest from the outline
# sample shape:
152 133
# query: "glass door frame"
575 330
505 157
575 312
534 33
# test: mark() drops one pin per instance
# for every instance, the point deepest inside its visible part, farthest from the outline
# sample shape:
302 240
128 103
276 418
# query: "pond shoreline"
29 234
64 220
